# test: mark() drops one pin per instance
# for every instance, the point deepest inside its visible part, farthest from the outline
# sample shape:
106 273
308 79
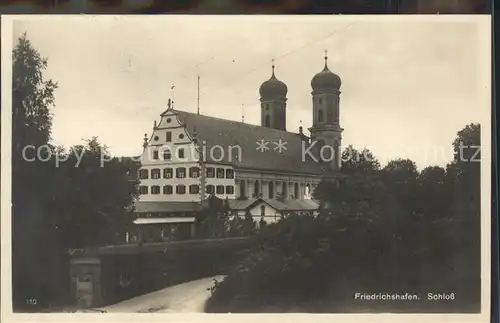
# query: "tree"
96 197
34 245
354 161
213 220
60 199
400 177
433 193
465 173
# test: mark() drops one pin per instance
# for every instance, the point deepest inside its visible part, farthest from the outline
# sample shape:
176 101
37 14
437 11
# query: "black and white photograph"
246 165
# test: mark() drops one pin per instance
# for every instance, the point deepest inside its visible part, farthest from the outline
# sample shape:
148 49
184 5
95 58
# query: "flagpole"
198 95
172 93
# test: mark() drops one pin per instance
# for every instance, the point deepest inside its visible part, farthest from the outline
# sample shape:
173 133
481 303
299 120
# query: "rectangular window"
210 189
167 155
210 172
143 190
155 189
167 189
180 189
180 172
220 172
229 173
194 172
143 174
169 136
220 189
155 155
229 189
167 173
155 173
194 189
181 153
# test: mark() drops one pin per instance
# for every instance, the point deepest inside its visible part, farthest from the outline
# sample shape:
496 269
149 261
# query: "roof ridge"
233 121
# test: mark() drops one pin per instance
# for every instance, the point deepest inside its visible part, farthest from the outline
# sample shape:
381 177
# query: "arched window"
284 190
320 115
167 155
256 189
271 190
243 188
296 191
267 122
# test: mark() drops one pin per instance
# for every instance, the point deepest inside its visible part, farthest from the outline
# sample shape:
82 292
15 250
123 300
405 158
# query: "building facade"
189 157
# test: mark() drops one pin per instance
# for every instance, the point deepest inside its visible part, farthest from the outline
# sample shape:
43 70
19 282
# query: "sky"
408 85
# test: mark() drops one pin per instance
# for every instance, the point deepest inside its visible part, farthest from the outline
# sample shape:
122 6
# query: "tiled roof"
226 133
241 205
152 207
293 205
234 204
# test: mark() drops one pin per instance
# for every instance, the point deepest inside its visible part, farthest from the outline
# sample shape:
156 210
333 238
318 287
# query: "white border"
484 30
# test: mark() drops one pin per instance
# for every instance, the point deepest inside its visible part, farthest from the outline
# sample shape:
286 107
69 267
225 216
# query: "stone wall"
109 275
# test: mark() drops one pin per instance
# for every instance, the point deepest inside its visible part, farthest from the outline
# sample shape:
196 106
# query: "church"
262 169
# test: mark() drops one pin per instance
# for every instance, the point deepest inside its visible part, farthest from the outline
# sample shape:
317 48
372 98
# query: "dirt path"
188 297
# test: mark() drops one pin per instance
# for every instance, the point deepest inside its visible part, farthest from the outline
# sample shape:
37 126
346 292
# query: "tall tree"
465 172
33 237
96 197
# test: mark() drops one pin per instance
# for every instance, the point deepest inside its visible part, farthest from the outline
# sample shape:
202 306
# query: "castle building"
262 169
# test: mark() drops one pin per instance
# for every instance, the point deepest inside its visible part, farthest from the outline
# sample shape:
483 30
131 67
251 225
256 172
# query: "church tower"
273 103
326 130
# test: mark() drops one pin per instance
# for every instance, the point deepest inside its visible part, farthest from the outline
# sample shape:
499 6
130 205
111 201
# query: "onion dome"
326 79
273 88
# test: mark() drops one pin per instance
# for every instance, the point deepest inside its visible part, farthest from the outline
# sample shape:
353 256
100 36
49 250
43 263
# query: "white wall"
270 215
158 142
